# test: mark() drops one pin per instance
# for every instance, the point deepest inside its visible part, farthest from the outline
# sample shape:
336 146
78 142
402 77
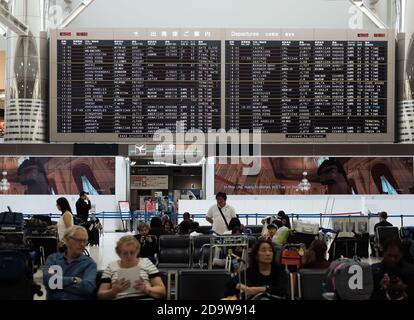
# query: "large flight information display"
291 85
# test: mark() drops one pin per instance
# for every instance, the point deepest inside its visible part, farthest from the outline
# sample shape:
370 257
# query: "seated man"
70 275
382 223
393 277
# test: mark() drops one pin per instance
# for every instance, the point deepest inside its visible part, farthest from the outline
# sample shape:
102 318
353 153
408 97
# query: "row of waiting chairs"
192 284
196 284
211 284
177 251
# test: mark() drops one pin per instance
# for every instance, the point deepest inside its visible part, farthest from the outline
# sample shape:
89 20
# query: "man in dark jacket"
383 223
393 277
83 205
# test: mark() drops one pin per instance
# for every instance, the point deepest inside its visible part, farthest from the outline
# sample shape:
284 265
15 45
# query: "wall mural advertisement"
57 175
318 176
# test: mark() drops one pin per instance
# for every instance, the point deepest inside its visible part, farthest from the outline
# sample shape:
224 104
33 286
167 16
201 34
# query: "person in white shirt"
148 283
215 217
65 221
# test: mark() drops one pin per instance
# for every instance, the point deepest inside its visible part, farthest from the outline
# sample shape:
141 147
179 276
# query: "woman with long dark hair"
66 218
264 276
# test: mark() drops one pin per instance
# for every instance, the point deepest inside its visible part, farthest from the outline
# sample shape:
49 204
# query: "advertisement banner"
318 175
149 182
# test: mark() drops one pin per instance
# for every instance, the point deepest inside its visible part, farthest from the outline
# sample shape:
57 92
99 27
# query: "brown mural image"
58 175
319 175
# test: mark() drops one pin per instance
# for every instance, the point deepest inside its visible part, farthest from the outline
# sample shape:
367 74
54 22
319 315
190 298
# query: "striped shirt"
147 271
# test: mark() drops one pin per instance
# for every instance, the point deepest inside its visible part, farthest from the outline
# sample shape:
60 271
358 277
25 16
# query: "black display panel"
292 85
307 87
136 87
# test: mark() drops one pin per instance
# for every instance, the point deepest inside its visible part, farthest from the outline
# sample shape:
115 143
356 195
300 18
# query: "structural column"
405 71
27 75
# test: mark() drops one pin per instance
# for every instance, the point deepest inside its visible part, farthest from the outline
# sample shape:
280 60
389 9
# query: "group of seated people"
71 275
76 276
278 228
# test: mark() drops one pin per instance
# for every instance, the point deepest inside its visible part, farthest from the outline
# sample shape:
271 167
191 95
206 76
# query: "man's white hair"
72 230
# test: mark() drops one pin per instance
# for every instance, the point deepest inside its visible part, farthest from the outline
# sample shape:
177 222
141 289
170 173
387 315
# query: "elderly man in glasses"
70 275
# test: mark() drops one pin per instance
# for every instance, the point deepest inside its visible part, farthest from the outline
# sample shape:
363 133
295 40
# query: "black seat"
45 246
99 274
386 233
256 228
252 241
166 281
383 234
310 283
202 284
344 246
200 251
362 245
174 252
204 229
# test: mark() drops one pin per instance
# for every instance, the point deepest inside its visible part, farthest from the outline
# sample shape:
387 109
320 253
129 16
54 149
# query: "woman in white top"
143 281
66 219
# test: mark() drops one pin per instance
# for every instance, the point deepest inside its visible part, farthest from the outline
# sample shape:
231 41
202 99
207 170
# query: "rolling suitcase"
291 256
94 228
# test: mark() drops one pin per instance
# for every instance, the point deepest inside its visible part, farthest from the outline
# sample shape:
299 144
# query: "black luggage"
16 276
93 236
299 237
341 279
38 226
11 221
13 241
93 227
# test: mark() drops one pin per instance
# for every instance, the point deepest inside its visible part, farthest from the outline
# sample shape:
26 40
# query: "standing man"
83 205
383 221
220 215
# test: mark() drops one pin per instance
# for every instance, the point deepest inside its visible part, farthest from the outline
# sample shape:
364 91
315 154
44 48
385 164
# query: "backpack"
350 279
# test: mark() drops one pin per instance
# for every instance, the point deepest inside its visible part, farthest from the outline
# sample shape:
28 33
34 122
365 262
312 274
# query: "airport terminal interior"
192 150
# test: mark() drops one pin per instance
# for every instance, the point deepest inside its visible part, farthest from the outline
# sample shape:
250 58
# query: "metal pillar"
27 74
405 70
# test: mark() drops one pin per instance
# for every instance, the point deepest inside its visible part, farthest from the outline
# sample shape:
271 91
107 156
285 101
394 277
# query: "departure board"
291 85
307 86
